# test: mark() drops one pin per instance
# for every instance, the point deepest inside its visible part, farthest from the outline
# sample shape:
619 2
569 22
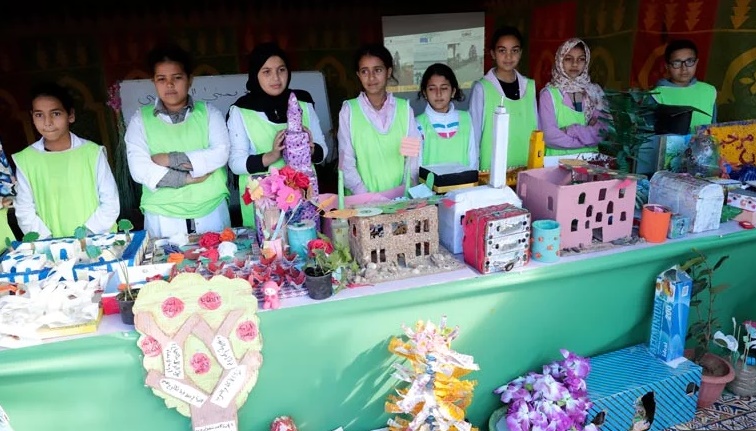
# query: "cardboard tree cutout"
201 345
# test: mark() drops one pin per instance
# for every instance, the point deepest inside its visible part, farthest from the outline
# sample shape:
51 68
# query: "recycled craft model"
201 345
436 398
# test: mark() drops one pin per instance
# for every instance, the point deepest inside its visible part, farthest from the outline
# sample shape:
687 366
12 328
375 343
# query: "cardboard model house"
401 237
597 206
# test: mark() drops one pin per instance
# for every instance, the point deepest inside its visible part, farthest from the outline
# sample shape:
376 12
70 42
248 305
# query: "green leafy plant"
80 233
628 115
30 237
126 226
325 258
702 299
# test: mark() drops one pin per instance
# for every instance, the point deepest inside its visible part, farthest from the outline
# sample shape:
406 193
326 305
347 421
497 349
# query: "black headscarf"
257 99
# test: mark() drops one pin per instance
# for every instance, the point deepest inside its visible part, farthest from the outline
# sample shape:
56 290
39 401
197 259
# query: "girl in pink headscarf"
569 106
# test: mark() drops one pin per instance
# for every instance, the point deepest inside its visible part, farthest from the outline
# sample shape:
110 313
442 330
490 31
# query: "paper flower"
554 400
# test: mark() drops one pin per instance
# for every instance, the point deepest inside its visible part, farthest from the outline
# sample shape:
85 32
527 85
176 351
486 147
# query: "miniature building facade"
401 237
586 206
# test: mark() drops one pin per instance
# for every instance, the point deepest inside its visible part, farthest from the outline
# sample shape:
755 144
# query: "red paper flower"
211 254
319 244
301 180
209 240
247 197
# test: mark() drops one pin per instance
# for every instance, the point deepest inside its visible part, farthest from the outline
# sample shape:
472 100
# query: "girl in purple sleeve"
570 105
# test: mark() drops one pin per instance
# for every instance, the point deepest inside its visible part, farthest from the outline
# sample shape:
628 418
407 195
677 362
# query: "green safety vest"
565 117
262 132
699 95
64 185
437 149
379 160
192 200
522 122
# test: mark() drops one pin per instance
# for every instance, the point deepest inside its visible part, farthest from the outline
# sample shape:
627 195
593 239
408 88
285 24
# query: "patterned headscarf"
594 95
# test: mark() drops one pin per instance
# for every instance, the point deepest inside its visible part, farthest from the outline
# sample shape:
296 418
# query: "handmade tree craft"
296 154
436 398
201 345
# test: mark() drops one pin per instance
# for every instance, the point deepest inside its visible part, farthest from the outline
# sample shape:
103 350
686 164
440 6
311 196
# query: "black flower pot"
318 286
126 308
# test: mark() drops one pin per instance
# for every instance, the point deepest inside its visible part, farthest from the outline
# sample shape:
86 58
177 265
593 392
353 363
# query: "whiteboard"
222 91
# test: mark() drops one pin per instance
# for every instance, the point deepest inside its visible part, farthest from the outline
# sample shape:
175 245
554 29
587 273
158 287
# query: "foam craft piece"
64 249
201 343
450 216
132 254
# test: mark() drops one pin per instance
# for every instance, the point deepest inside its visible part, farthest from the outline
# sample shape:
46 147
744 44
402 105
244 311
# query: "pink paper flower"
288 198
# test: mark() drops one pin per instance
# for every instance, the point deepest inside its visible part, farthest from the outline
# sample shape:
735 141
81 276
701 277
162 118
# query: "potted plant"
323 260
556 399
629 117
744 383
717 371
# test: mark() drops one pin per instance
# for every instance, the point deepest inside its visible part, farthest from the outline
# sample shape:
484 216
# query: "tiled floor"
729 413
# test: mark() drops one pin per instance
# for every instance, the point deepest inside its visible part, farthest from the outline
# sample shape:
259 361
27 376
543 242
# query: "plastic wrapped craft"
702 157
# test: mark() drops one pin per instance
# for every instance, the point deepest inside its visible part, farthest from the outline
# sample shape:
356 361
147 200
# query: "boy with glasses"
682 88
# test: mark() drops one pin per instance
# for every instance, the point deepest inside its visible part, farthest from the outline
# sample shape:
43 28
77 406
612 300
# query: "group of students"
178 148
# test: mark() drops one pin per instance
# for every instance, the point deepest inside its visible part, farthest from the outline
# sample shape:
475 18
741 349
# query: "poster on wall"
417 41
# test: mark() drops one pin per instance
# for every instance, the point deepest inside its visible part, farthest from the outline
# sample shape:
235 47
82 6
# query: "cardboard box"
456 203
669 324
699 200
620 382
601 207
449 176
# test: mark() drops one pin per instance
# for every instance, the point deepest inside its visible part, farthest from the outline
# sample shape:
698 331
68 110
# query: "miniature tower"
296 154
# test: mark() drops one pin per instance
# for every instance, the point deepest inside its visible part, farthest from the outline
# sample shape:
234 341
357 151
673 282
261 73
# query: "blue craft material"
299 234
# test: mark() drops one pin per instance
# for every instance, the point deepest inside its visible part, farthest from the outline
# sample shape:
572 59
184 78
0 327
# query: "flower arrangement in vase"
280 197
555 400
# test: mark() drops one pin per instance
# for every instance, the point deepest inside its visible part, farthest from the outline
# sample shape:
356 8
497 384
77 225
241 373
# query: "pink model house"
586 205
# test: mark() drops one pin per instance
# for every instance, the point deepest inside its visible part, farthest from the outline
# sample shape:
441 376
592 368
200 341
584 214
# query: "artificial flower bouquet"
280 197
555 400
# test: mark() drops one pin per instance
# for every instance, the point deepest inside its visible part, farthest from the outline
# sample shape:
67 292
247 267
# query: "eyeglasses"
688 62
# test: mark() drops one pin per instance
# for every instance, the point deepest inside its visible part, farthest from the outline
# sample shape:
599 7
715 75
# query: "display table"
327 364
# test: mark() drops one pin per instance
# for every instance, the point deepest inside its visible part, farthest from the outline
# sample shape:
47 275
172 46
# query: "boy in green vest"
682 88
177 149
63 181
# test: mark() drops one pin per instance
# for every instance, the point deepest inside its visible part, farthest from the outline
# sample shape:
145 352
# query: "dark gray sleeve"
173 179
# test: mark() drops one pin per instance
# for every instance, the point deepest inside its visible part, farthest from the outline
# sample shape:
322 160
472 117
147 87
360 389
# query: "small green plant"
325 258
126 226
703 298
30 237
629 117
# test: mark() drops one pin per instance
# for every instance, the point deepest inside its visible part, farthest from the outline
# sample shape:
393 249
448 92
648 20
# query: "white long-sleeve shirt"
381 119
148 173
101 221
243 147
446 124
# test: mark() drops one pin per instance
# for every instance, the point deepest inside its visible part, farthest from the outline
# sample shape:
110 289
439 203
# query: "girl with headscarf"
570 105
257 120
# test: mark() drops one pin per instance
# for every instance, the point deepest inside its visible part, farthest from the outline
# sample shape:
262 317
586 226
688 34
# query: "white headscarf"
594 95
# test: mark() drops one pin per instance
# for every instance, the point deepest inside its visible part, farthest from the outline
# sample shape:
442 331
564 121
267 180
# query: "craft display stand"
330 357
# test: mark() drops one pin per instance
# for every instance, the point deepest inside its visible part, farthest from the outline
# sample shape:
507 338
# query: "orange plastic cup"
655 222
